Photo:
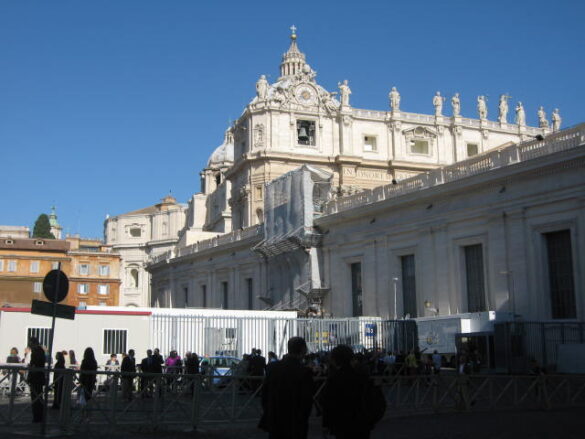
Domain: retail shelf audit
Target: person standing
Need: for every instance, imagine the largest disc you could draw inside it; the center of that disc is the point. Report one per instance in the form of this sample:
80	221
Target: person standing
58	378
257	368
128	369
146	368
72	360
437	362
287	396
351	404
191	368
87	375
36	380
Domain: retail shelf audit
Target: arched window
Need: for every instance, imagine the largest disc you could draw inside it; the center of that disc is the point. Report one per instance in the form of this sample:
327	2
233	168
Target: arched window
134	278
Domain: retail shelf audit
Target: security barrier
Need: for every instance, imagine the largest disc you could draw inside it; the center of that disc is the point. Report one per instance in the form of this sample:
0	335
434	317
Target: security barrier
180	401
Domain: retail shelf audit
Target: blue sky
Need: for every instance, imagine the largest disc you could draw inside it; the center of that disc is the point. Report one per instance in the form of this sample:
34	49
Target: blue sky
106	106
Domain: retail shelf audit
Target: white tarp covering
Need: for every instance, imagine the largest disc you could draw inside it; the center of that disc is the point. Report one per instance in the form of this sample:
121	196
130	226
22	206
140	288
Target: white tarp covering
289	203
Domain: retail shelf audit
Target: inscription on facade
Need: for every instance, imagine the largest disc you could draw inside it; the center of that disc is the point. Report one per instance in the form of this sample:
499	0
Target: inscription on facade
371	174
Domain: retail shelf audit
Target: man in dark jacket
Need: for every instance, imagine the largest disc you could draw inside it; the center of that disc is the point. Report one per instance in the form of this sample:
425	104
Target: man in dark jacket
128	369
146	367
351	405
257	368
36	380
287	396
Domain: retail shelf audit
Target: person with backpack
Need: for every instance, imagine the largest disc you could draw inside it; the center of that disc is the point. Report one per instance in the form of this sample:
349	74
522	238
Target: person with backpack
352	405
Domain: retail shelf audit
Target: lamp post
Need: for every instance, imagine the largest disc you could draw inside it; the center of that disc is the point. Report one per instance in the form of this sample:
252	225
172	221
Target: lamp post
395	280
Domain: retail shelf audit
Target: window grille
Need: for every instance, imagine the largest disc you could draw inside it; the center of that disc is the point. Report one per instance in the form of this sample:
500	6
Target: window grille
115	341
41	334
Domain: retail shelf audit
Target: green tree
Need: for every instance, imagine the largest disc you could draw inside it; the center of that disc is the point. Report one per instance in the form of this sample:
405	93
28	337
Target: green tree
42	227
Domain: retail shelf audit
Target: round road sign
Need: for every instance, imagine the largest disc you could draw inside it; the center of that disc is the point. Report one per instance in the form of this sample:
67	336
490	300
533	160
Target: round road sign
52	293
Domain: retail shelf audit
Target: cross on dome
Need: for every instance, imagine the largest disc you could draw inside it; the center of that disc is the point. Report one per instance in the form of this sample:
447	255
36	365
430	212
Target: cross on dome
293	60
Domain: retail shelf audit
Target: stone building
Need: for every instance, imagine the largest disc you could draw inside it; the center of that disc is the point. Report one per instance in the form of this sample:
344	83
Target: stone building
342	211
24	262
138	235
94	278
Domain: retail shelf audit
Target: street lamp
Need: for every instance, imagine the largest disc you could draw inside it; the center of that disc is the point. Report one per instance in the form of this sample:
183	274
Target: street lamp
395	280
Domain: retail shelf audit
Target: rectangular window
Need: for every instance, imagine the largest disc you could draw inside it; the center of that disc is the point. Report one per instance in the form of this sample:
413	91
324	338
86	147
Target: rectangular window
224	291
472	149
12	266
419	146
55	266
104	270
306	132
356	288
41	334
83	288
82	304
560	275
103	289
408	286
204	296
34	266
37	287
250	291
370	143
83	269
1	264
115	341
474	278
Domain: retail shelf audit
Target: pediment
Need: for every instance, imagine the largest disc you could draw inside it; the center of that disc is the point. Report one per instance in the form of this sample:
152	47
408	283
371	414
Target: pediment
420	132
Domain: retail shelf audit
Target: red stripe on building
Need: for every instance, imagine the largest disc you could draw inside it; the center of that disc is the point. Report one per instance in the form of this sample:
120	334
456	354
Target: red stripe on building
89	311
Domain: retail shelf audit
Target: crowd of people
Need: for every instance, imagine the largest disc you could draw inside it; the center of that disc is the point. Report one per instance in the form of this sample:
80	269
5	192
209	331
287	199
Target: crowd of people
287	385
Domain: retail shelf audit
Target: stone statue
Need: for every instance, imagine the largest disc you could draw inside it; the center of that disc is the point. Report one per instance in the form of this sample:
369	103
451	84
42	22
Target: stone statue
482	107
438	103
394	97
520	114
344	91
328	102
556	120
456	104
262	88
503	116
542	122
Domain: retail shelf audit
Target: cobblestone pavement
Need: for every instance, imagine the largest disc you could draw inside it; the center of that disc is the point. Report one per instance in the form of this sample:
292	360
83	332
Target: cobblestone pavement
561	424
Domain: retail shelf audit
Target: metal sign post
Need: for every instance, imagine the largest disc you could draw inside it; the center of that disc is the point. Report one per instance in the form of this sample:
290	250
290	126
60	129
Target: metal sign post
55	287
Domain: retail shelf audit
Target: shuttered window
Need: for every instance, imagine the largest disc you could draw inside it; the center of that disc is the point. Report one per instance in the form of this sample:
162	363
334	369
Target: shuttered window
560	275
356	288
408	286
474	278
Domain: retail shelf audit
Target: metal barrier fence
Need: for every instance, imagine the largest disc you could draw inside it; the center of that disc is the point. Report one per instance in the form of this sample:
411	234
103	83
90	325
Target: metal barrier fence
177	401
519	343
236	336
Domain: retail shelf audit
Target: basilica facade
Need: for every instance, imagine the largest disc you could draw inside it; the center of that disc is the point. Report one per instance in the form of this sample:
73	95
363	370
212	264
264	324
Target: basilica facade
313	205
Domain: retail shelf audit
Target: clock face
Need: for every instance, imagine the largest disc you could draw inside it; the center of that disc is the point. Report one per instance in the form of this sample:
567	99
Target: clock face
305	95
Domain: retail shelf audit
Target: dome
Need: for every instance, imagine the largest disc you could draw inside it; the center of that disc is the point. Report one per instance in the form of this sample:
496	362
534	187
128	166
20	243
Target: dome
224	152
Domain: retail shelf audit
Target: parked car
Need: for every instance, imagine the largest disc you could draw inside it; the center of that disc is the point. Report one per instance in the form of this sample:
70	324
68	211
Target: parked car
220	366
